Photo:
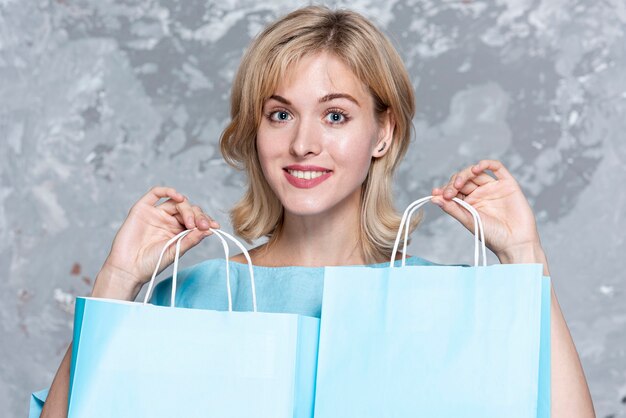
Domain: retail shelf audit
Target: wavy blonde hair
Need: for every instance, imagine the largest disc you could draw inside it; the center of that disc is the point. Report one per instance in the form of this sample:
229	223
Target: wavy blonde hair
374	61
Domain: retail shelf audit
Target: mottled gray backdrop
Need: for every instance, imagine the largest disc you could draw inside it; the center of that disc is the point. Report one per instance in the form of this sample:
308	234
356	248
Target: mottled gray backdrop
100	99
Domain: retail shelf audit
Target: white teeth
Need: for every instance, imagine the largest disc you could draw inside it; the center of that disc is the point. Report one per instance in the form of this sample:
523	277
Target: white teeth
307	175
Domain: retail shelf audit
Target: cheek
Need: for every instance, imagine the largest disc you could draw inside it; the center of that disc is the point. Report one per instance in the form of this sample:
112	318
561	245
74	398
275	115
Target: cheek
271	141
355	149
265	150
269	153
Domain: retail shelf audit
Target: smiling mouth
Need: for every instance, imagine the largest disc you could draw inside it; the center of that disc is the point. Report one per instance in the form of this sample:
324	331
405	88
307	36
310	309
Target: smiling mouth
306	175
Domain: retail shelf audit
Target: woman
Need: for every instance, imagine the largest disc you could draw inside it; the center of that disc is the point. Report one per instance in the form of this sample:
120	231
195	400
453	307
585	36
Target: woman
320	119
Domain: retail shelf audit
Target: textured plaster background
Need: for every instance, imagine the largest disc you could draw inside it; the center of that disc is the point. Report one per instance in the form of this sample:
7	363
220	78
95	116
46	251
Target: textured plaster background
99	100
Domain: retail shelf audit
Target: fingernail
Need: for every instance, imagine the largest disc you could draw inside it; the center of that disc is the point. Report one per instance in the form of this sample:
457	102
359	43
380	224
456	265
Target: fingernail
438	203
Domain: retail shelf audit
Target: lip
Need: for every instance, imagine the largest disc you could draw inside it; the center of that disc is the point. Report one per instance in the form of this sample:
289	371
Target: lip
306	183
305	168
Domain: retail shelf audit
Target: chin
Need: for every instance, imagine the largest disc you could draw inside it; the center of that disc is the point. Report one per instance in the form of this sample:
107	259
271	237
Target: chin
306	207
321	203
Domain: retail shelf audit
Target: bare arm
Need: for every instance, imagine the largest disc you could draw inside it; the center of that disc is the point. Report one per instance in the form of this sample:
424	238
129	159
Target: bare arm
570	393
56	403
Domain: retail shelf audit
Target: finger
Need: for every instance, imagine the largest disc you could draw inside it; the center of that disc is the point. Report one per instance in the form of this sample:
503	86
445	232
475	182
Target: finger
160	192
482	179
444	190
465	176
495	166
456	183
465	191
437	191
180	219
187	214
456	211
458	179
169	207
461	179
189	241
199	218
468	188
203	221
474	183
451	189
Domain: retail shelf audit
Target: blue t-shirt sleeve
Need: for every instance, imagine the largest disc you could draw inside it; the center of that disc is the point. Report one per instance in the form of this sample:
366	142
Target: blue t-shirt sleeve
37	399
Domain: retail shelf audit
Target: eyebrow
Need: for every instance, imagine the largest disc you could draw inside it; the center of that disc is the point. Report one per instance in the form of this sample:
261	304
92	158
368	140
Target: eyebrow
334	96
324	99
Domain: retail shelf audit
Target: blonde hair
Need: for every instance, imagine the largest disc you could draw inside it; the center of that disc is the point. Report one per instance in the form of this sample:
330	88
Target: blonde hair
374	61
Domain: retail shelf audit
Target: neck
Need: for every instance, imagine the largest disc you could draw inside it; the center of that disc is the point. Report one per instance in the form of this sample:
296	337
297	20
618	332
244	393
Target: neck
327	239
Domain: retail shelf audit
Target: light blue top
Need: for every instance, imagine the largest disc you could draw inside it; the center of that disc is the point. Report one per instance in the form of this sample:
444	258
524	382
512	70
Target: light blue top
291	289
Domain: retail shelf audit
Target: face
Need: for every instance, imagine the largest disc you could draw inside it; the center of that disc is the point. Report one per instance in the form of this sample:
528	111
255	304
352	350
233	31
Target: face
318	136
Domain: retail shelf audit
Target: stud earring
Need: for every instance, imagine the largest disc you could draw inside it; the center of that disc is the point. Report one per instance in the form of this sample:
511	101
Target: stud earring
383	147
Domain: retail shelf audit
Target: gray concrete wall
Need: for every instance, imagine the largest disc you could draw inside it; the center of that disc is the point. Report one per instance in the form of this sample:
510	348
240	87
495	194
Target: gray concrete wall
99	100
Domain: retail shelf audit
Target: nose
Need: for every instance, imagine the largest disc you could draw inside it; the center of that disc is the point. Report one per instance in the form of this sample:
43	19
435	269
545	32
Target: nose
306	139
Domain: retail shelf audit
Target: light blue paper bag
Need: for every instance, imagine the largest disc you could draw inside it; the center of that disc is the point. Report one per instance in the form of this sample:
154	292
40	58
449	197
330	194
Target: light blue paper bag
435	341
135	359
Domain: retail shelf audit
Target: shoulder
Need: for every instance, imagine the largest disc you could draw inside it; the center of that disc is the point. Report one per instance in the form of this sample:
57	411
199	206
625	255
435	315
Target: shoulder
260	256
239	258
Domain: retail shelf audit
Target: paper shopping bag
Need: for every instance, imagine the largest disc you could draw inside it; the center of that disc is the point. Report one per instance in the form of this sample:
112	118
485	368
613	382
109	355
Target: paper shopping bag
131	360
434	341
139	360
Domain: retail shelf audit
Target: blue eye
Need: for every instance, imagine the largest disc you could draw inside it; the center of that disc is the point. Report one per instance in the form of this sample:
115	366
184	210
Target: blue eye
280	116
336	117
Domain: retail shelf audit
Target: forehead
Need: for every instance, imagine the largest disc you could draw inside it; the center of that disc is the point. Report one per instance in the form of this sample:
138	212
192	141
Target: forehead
320	74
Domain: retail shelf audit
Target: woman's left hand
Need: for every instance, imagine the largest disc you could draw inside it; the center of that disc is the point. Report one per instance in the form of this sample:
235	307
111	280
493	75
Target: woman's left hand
509	223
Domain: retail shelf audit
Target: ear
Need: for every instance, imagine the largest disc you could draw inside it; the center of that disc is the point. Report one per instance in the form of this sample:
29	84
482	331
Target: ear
386	127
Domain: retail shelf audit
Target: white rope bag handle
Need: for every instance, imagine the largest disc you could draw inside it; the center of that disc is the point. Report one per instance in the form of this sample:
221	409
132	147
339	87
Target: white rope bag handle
221	235
405	224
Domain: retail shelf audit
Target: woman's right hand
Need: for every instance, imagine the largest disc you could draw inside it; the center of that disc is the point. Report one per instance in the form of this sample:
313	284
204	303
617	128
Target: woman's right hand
147	228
